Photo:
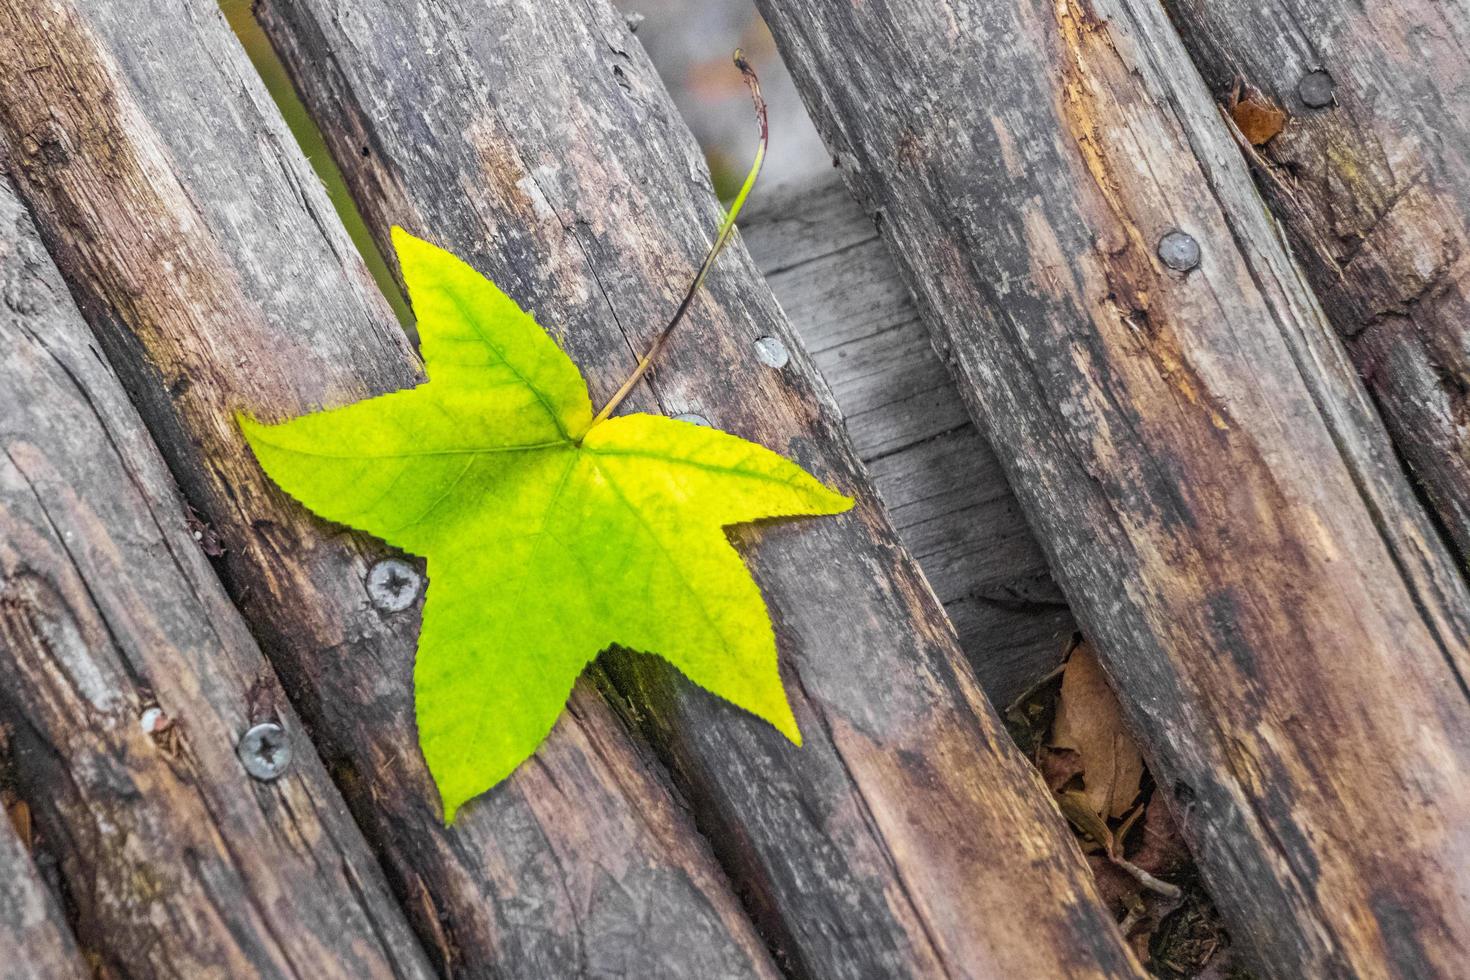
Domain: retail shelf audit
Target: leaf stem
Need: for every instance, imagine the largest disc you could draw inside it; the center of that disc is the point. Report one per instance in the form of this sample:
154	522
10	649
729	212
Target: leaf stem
722	237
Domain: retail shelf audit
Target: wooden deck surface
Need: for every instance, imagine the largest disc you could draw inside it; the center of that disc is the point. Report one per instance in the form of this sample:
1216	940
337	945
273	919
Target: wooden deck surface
943	487
1241	468
1216	491
845	856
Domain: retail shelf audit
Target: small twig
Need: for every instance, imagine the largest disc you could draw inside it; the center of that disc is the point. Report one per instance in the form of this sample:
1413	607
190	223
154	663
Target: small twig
1034	689
1137	912
1079	813
1145	879
727	226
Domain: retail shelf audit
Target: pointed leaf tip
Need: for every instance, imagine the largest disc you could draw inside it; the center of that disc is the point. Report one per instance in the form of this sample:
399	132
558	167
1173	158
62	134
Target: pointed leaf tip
402	237
787	726
840	502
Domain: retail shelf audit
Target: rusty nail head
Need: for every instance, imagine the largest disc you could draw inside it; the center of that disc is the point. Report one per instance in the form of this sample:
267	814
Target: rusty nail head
693	418
1179	251
393	584
265	751
1316	89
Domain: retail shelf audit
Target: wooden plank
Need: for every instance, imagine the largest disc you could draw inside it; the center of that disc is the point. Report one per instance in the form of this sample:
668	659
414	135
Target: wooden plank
34	937
906	836
941	483
1371	177
217	277
130	680
1215	493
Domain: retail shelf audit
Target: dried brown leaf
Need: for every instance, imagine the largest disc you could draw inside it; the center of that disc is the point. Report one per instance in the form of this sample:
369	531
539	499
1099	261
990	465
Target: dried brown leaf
1077	808
1059	767
1115	887
19	813
1090	722
1160	849
1258	118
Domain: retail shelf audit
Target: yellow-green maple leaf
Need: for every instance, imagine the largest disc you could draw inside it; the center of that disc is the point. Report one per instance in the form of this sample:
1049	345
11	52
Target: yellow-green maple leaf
548	538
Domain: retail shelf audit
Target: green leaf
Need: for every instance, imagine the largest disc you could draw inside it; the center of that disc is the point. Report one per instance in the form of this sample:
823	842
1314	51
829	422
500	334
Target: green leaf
547	538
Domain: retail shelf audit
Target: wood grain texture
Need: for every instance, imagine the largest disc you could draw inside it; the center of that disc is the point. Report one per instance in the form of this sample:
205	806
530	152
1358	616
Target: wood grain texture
213	270
941	483
174	861
906	837
1215	493
1374	189
35	940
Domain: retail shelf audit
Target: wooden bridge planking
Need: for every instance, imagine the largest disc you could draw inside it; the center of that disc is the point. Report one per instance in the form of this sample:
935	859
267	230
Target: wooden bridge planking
939	479
213	270
175	861
1214	490
1372	181
907	836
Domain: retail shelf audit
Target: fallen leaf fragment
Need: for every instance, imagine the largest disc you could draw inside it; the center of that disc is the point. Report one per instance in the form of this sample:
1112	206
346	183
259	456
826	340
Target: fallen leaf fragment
1160	848
1059	767
1090	723
1256	116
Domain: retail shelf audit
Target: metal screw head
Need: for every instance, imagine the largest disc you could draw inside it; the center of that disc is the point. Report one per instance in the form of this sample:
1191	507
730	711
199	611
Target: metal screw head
772	352
1316	89
693	419
265	751
1179	251
393	584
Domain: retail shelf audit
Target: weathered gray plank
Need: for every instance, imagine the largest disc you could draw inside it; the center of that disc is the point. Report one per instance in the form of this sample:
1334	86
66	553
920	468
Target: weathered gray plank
1372	180
129	679
1216	495
906	837
35	940
210	265
938	477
